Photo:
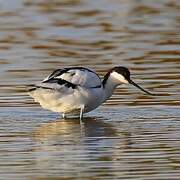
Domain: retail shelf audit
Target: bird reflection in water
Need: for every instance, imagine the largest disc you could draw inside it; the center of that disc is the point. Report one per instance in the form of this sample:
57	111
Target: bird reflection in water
72	129
66	145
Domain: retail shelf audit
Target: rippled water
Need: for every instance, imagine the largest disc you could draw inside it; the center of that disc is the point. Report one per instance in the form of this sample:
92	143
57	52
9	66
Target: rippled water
132	136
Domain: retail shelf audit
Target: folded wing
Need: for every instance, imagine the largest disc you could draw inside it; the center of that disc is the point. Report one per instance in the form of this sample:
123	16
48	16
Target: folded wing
73	77
70	78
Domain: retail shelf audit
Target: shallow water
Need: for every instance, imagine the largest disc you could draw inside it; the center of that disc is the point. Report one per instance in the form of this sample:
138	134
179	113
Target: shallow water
132	136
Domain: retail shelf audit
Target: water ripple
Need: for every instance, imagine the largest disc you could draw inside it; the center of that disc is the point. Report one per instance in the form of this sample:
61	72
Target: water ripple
132	136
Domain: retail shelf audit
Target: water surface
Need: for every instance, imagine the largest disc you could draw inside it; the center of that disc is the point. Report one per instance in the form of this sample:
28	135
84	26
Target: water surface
132	136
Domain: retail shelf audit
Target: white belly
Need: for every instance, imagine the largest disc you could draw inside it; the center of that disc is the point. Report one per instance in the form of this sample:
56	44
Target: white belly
68	102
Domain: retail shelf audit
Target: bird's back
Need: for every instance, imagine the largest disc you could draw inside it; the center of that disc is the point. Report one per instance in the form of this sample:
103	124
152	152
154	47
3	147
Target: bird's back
78	76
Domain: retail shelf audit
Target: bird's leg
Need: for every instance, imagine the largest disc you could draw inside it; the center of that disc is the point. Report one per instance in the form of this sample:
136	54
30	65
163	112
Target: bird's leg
64	116
81	114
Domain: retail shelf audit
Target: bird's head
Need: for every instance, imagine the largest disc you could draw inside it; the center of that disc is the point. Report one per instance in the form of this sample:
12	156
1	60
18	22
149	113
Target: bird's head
121	75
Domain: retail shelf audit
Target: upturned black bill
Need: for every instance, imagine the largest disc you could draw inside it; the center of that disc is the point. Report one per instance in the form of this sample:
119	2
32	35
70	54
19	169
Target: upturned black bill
139	87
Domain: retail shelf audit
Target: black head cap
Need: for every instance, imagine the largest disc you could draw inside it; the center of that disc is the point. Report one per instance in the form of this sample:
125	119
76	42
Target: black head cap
123	71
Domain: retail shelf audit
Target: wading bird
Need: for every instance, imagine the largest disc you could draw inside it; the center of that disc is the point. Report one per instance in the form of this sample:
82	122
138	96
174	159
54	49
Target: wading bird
78	90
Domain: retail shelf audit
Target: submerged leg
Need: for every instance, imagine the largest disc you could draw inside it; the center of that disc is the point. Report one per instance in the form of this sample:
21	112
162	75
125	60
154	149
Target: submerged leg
64	116
81	114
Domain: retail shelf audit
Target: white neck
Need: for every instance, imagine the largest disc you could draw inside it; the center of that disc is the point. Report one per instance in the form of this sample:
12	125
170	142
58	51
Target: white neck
110	82
109	87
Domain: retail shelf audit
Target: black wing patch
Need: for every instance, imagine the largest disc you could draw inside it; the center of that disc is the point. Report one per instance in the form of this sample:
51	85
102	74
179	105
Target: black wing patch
61	82
56	73
36	87
59	72
66	83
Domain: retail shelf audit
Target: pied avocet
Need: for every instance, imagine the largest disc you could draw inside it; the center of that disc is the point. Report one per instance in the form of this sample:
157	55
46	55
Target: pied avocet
78	90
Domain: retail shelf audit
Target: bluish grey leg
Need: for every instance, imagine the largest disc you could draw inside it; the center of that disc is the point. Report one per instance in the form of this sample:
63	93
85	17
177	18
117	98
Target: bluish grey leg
64	116
81	114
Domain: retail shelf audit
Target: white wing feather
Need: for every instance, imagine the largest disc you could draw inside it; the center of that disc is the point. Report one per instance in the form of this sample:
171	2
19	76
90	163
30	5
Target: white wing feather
77	76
